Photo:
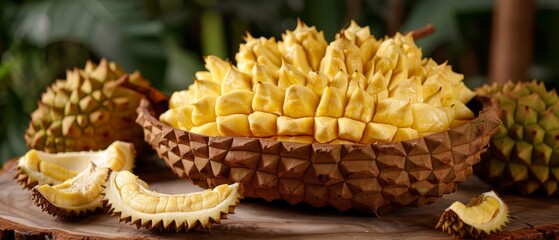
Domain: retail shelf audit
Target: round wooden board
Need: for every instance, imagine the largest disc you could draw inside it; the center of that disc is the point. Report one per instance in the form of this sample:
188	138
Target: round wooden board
257	218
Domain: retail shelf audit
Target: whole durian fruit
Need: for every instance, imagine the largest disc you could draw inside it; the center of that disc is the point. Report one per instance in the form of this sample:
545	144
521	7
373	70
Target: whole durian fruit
357	89
524	154
89	110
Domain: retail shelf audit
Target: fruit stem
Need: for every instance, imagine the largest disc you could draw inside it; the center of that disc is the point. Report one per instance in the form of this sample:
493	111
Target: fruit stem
423	32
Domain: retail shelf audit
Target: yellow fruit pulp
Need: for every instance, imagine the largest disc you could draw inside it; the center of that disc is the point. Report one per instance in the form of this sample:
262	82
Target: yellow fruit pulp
356	89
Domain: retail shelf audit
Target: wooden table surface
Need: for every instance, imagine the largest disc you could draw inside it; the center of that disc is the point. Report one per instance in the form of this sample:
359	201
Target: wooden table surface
257	219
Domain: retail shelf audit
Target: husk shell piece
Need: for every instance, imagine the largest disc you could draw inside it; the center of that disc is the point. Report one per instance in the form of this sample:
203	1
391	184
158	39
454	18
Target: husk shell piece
173	221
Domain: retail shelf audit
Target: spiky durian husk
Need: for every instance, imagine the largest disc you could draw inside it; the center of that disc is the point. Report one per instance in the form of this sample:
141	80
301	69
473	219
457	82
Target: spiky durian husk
169	218
524	154
357	89
88	110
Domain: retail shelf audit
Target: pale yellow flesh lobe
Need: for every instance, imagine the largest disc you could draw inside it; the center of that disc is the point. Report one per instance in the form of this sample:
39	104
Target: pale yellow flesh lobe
79	193
55	168
126	194
302	77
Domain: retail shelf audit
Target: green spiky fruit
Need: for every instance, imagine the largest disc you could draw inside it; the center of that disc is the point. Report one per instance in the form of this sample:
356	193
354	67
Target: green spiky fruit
88	110
524	154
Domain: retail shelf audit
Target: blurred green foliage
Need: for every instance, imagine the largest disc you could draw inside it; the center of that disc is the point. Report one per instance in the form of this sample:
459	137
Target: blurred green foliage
166	39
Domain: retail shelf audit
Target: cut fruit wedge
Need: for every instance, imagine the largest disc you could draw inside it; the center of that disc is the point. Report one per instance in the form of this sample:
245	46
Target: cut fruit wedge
484	215
38	168
129	197
74	197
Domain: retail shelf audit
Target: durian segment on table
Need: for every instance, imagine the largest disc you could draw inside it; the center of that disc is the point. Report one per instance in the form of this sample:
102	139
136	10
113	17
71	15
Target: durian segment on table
69	184
356	89
482	216
130	198
76	196
524	154
38	167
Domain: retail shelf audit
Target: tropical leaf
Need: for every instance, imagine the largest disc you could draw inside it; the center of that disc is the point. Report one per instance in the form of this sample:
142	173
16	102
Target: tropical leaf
182	65
118	30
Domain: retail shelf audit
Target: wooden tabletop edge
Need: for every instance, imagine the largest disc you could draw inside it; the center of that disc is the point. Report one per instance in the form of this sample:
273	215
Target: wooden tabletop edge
549	231
13	230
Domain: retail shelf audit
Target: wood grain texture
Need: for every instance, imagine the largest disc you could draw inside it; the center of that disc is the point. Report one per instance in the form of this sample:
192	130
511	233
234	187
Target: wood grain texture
257	219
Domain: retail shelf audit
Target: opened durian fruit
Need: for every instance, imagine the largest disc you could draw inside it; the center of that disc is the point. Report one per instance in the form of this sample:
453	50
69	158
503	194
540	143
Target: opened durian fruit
360	123
357	89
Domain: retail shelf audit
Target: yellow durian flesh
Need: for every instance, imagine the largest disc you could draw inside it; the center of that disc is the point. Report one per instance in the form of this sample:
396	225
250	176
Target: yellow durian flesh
304	41
181	98
235	80
403	134
208	129
203	110
234	102
258	51
268	98
351	130
333	61
360	106
216	67
381	86
300	101
428	118
289	75
75	196
378	132
295	126
262	73
299	139
179	117
263	124
201	75
332	103
317	82
38	168
129	197
325	129
395	112
205	88
234	125
80	194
